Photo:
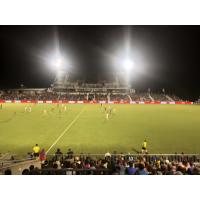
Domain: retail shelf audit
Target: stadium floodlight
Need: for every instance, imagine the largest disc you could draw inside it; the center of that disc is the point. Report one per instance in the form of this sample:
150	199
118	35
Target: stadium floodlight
127	64
59	63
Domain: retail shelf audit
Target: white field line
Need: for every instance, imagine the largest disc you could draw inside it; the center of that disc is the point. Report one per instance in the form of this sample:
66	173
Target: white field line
65	131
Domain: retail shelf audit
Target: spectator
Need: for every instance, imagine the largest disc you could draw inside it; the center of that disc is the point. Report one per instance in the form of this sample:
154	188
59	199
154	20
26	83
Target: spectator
107	155
42	155
31	169
25	172
131	169
118	164
141	169
70	154
8	172
58	155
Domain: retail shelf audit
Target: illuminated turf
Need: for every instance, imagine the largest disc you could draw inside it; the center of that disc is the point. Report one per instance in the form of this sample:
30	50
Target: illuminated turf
167	128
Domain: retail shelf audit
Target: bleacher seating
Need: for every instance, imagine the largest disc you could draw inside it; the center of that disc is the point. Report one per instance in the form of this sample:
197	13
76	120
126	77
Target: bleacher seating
113	164
159	97
84	92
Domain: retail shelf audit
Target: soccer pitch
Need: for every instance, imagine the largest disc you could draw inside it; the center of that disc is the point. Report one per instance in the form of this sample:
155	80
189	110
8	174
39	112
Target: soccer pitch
85	129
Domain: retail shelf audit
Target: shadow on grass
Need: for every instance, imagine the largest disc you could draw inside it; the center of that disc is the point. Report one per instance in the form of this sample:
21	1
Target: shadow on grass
135	150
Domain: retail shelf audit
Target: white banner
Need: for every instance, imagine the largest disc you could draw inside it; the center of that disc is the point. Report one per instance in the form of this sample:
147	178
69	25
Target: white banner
141	102
102	101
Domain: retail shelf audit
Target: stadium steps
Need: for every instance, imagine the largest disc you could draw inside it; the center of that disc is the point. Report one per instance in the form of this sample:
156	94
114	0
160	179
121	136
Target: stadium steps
129	97
108	97
152	99
169	98
87	96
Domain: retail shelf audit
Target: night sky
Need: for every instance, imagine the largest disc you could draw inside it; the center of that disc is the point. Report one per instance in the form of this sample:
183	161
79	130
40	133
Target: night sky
164	56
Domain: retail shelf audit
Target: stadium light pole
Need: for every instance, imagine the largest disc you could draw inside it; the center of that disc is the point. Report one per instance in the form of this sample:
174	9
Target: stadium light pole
61	76
128	65
59	63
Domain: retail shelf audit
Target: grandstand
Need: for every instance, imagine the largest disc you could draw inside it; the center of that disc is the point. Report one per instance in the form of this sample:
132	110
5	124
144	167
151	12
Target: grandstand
86	92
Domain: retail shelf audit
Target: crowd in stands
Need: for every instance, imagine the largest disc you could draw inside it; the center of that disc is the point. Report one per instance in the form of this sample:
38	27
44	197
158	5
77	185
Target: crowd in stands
113	164
145	97
81	96
101	97
135	97
175	98
159	97
119	97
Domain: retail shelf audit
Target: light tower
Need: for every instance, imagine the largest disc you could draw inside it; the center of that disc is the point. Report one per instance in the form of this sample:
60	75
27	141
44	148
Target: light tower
61	74
126	66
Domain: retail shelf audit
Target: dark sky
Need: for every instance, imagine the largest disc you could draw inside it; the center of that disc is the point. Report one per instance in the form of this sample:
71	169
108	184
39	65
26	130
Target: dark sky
164	56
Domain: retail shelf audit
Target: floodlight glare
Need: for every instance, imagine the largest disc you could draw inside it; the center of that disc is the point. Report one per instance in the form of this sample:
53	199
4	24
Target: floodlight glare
59	63
128	64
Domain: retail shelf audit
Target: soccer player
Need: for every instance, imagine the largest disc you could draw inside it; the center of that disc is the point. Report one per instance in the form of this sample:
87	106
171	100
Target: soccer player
110	110
144	147
107	115
44	112
30	109
25	109
1	107
65	108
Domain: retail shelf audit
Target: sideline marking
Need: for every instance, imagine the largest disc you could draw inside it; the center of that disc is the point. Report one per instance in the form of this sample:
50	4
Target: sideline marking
66	129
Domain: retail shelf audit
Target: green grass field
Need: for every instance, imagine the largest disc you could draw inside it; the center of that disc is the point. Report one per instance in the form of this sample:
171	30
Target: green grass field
84	128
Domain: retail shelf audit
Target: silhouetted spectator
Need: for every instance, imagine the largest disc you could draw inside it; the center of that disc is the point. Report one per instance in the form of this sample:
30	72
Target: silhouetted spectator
8	172
70	154
25	172
58	155
31	169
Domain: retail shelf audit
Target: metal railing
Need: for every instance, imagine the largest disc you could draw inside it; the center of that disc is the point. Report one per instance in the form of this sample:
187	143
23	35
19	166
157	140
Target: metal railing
70	171
147	157
73	158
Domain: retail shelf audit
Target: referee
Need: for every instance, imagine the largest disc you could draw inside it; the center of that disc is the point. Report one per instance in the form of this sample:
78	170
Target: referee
36	150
